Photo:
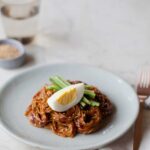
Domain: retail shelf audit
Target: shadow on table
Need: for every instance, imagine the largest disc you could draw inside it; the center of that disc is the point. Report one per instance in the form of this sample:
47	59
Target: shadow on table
34	55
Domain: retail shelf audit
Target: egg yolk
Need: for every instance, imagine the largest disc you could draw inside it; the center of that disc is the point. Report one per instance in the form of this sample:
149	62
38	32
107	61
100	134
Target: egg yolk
67	97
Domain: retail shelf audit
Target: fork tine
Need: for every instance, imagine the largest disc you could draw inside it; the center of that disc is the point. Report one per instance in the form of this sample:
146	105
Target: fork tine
139	81
145	78
148	77
142	82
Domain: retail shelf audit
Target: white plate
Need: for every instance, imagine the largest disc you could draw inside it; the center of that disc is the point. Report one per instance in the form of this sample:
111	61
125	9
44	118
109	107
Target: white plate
17	94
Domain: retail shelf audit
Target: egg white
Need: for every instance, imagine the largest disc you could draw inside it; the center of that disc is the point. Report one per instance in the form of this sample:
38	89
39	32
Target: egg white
53	103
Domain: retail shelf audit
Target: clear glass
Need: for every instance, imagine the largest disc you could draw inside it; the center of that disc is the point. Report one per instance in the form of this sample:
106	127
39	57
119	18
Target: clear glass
20	18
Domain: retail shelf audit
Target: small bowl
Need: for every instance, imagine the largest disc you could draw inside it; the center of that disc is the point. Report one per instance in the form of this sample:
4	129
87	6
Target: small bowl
14	62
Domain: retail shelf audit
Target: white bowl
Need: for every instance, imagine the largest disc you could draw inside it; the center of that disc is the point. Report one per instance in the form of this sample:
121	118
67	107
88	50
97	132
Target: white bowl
14	62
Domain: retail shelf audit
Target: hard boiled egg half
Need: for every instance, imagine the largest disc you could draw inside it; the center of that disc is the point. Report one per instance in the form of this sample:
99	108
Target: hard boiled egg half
66	98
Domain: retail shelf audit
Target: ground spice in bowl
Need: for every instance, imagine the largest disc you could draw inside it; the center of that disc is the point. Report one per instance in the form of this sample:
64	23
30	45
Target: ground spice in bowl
8	51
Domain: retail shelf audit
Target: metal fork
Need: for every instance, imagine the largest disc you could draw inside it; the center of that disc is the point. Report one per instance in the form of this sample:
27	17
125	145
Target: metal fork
143	91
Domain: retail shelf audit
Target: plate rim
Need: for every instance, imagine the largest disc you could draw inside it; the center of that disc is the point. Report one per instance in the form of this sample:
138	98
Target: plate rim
21	139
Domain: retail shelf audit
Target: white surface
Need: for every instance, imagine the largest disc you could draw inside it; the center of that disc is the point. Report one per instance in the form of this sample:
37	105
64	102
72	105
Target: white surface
121	94
109	34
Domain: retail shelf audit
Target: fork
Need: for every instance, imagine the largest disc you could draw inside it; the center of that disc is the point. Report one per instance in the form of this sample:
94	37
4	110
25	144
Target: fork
143	91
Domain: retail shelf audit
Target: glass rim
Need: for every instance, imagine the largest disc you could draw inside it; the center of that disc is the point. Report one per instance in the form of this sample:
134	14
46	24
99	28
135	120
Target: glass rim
18	2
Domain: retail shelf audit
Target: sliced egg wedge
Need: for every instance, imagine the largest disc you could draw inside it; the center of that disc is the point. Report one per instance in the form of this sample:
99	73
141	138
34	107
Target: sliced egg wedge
66	98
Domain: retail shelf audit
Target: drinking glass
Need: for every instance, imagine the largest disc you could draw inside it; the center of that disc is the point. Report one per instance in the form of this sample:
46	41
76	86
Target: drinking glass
20	19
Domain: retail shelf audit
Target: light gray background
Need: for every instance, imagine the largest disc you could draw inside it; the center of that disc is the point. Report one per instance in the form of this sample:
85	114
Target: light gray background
110	34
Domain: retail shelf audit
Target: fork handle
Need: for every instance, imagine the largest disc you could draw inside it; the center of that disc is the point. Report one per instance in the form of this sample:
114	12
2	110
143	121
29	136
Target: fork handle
138	128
